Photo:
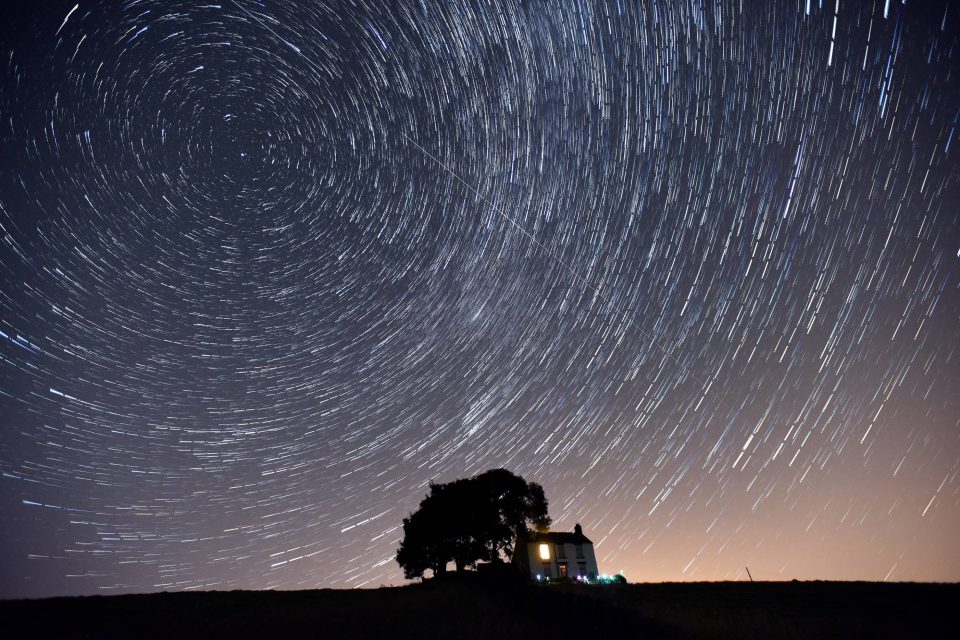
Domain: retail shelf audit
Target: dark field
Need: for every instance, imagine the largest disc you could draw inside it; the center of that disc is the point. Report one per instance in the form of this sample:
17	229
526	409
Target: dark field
479	610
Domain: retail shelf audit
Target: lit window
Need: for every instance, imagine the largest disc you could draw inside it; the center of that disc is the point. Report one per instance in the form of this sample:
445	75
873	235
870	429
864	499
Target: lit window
544	552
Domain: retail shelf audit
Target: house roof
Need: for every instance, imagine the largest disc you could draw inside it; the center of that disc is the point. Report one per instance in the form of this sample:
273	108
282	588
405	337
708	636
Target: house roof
560	537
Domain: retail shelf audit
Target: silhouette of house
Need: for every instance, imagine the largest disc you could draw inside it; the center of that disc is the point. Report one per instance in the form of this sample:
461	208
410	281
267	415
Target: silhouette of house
557	555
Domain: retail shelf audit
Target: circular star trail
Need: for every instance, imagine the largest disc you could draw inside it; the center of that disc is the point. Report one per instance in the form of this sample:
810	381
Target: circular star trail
268	268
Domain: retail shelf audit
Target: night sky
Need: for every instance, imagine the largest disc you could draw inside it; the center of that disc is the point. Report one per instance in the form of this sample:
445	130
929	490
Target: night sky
269	267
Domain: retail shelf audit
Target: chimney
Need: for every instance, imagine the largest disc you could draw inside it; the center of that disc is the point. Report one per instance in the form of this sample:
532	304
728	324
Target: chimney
578	530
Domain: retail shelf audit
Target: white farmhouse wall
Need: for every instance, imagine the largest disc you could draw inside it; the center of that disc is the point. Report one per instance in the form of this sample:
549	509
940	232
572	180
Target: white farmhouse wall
561	553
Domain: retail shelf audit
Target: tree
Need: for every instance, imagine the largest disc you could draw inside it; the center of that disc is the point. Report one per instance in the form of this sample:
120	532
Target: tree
420	549
512	506
468	520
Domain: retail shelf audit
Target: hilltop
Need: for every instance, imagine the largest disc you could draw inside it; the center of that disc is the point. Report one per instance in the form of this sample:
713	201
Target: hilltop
472	609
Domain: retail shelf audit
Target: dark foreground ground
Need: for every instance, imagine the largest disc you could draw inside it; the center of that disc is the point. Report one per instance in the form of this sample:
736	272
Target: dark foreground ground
481	610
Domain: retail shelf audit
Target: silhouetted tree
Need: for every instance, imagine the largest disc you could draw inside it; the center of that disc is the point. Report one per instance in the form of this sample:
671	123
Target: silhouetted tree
470	519
421	548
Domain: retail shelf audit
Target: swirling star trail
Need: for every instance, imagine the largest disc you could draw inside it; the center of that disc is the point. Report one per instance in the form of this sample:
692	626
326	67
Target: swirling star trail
269	267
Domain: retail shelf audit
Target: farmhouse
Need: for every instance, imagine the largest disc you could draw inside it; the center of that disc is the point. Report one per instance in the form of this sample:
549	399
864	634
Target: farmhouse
557	555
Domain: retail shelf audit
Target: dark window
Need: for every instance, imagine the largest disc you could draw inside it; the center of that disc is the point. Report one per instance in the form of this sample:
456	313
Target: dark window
582	568
563	569
546	570
561	550
580	551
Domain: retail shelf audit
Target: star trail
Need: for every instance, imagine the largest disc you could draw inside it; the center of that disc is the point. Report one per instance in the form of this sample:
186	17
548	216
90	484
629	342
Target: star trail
269	267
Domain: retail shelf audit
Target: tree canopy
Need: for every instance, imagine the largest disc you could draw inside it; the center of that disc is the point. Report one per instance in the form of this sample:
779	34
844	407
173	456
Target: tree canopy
469	520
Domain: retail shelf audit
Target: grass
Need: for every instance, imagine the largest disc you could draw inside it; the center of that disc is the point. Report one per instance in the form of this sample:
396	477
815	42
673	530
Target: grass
795	609
472	609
